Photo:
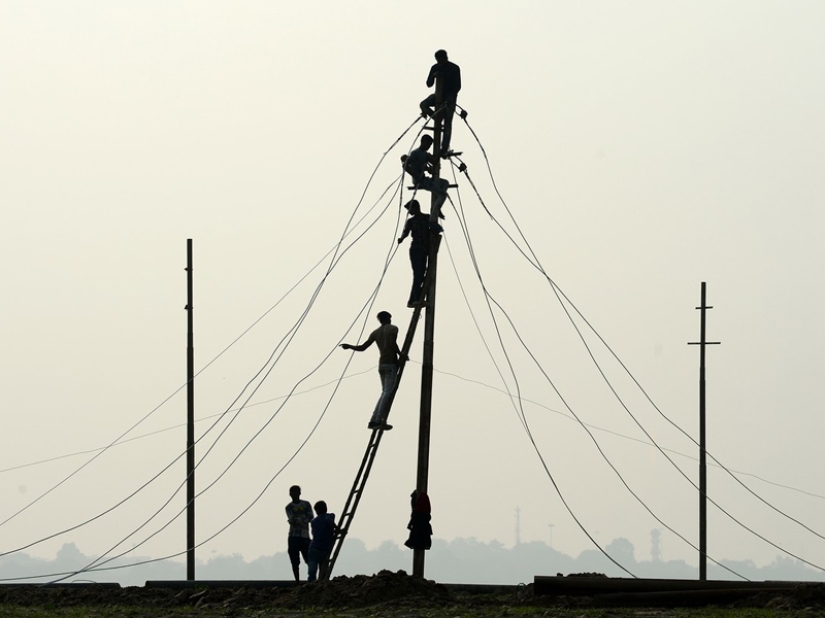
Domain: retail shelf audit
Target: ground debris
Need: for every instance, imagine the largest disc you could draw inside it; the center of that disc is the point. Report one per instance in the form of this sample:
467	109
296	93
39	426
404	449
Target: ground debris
387	592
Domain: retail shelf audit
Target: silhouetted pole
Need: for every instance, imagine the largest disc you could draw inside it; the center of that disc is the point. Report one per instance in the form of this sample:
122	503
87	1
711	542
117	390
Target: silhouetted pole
422	479
703	474
190	422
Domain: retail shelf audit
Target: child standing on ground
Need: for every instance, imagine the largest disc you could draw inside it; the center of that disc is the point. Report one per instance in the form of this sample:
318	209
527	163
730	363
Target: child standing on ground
323	535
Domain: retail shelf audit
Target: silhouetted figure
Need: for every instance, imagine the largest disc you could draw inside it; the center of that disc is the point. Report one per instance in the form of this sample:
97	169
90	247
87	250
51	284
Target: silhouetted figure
418	226
298	514
385	337
421	532
417	164
323	536
451	73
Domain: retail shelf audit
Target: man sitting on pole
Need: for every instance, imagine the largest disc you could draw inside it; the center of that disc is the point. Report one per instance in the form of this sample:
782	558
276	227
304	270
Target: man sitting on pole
417	164
451	74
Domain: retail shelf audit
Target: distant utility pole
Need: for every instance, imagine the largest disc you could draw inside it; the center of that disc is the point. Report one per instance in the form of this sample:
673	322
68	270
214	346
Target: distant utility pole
422	479
190	422
518	526
703	476
656	545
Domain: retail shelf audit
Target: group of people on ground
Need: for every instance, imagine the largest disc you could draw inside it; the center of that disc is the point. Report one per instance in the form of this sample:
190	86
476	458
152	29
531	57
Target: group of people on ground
314	551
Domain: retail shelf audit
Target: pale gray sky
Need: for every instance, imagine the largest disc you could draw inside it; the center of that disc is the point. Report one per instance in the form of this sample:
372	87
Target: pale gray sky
642	148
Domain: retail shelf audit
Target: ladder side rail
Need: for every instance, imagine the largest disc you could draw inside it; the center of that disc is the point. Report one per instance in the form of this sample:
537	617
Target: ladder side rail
354	498
351	505
357	483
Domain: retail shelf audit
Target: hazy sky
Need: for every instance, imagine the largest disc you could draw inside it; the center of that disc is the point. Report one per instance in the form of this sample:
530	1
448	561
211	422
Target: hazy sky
640	147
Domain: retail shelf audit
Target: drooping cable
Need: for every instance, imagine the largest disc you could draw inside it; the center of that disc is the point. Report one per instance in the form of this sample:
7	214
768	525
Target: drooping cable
488	298
536	264
334	262
98	562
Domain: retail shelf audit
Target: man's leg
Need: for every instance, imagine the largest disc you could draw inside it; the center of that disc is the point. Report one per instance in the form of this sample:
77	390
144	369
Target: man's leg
387	373
440	191
418	261
294	555
324	566
426	106
312	565
449	112
304	549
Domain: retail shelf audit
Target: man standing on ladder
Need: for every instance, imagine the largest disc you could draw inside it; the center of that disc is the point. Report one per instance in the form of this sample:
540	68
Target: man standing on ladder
386	338
418	225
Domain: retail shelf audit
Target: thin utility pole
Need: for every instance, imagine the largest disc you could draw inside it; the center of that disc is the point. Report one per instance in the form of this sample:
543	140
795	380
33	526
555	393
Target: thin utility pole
190	422
703	475
422	479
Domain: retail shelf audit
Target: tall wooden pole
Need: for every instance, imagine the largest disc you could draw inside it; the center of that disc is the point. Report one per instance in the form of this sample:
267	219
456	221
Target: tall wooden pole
422	479
190	422
703	475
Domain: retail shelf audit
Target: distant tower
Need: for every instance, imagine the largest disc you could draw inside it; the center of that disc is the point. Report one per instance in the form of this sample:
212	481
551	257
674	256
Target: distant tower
518	526
656	545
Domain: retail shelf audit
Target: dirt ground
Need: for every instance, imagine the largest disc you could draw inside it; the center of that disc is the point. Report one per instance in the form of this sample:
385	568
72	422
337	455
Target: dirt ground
386	592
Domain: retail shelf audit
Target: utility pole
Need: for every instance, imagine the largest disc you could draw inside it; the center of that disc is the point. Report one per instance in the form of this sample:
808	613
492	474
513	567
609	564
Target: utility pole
703	473
422	478
190	422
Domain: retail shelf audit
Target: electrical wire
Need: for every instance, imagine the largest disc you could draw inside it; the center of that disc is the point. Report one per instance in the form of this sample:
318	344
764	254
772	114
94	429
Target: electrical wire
99	561
488	298
558	292
334	261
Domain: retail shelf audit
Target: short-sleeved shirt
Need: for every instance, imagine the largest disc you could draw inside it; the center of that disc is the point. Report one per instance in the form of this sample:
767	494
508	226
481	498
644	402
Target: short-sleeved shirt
299	514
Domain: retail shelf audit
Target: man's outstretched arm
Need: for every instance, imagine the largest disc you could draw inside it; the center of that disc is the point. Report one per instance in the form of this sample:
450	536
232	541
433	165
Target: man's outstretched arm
360	347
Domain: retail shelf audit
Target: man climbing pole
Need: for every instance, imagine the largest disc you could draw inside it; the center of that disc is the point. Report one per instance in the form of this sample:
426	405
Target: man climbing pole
385	337
418	225
417	164
451	73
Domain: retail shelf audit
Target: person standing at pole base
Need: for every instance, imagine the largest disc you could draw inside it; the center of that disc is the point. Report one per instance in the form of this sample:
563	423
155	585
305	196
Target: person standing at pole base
298	514
418	225
451	74
386	338
417	164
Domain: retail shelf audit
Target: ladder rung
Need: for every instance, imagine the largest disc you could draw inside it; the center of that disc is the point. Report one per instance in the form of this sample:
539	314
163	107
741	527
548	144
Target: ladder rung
448	186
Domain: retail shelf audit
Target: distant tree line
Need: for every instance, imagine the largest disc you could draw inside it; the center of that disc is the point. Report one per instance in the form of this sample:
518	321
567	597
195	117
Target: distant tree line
458	561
